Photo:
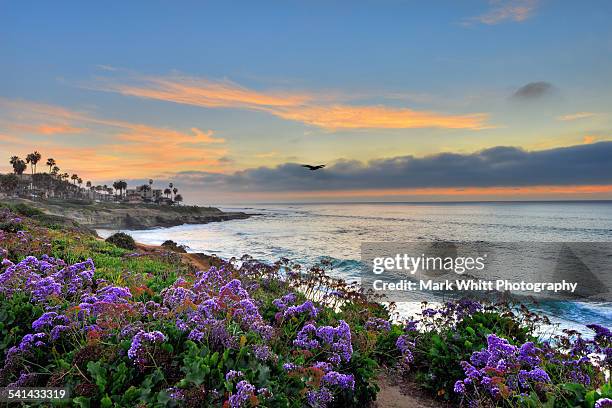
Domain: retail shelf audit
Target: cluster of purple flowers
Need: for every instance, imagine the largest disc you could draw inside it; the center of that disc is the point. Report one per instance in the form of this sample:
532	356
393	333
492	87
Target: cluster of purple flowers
206	309
503	370
319	398
142	340
405	346
378	324
603	402
307	308
285	301
335	342
244	392
334	378
333	345
47	277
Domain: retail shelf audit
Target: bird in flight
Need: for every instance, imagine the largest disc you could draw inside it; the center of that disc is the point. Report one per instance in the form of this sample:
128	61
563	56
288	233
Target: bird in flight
313	168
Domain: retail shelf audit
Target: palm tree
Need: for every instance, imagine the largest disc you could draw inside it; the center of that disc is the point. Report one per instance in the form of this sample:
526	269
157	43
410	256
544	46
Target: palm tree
18	165
88	184
55	170
33	159
120	185
65	176
167	192
51	162
151	182
175	190
178	198
74	178
115	186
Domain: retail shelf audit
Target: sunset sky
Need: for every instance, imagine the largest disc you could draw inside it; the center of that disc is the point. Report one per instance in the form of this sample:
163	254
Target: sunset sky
403	100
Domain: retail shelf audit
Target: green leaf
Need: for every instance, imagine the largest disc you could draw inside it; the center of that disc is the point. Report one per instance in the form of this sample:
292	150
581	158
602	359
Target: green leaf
98	373
106	402
82	402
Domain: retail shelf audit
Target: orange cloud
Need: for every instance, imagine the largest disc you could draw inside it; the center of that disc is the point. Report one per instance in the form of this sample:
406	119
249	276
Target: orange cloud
51	129
205	93
576	116
122	149
589	139
378	117
309	109
505	10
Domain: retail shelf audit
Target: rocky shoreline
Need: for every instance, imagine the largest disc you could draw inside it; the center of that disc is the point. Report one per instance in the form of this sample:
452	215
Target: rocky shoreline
129	216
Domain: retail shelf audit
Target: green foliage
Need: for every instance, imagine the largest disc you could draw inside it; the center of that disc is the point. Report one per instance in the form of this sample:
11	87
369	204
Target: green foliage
439	352
122	240
16	317
25	210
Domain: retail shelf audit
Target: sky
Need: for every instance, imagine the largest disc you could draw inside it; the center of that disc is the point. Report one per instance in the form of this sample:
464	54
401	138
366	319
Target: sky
402	100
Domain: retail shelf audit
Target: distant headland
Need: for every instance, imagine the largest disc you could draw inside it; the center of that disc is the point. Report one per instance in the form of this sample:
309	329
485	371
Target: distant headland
118	206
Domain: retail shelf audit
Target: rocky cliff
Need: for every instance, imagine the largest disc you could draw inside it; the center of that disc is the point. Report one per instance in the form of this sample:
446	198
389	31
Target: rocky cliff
130	216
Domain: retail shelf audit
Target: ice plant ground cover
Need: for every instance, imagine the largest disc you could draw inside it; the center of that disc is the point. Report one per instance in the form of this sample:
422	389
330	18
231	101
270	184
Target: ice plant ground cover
125	328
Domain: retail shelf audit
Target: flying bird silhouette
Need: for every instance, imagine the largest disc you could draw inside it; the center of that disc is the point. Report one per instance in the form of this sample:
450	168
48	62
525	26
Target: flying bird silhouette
313	168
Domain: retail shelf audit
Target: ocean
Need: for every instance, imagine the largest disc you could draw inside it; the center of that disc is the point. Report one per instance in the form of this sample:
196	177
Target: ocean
308	233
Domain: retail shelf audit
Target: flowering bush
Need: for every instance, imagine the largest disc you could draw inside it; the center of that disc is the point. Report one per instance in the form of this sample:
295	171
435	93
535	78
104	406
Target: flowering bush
485	356
159	334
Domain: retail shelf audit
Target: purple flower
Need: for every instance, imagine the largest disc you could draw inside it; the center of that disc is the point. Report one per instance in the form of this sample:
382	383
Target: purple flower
290	367
307	307
601	333
137	351
603	402
378	324
319	398
174	297
284	301
459	387
404	344
233	374
48	319
411	326
535	375
344	381
527	354
31	340
262	352
244	391
304	337
57	331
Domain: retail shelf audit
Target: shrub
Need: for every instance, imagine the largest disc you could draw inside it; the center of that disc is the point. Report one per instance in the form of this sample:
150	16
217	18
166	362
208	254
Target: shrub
485	356
173	246
26	210
122	240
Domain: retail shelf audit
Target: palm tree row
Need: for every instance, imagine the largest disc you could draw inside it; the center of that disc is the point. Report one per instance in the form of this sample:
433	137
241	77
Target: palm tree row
20	166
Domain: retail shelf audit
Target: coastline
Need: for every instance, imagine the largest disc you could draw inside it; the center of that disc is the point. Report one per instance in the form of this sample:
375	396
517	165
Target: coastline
95	215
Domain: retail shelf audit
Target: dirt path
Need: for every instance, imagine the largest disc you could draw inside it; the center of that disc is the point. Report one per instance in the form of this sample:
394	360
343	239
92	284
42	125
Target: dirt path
394	394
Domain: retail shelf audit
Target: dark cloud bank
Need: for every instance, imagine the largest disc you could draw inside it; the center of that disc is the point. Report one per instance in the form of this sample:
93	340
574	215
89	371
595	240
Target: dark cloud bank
494	167
534	90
